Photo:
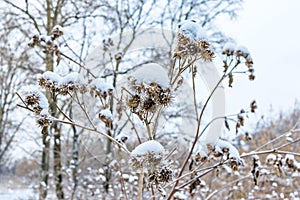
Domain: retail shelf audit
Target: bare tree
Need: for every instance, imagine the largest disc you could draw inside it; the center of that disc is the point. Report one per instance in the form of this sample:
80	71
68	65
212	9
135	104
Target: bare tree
12	77
40	17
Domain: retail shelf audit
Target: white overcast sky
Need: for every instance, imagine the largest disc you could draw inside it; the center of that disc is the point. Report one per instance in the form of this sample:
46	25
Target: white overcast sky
270	29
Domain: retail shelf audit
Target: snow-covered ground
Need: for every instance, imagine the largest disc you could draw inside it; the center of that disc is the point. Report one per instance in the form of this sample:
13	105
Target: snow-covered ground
19	188
18	194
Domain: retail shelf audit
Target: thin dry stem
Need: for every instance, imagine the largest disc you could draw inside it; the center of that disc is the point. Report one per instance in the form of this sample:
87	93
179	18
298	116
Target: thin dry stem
94	130
140	191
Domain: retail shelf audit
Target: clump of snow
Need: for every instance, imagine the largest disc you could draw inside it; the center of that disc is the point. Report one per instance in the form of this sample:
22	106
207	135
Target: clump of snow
270	159
73	77
101	85
229	46
255	157
147	156
151	146
232	151
45	38
121	138
152	73
192	30
57	27
52	76
242	49
289	157
106	113
180	195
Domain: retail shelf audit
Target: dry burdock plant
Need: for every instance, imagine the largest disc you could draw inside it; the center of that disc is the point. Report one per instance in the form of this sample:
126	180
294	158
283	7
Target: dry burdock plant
208	169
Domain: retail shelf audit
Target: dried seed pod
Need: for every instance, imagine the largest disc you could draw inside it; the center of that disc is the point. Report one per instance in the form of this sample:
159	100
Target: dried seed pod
248	136
133	102
253	106
230	76
241	120
44	120
118	56
251	77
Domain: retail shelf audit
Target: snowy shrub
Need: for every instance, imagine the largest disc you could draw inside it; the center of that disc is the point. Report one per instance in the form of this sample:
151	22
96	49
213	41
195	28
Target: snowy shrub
136	163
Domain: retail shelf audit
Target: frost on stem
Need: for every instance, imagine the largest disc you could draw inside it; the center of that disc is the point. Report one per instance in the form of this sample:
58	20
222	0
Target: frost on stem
148	89
191	41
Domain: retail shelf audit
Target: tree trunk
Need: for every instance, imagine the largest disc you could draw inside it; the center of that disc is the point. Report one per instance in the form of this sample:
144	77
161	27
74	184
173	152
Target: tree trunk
44	174
75	156
57	163
51	21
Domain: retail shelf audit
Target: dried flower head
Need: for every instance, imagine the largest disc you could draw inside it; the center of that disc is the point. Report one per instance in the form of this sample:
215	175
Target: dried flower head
148	90
35	100
121	138
292	163
253	106
63	85
187	47
228	49
70	83
107	44
191	41
44	120
118	56
49	80
100	88
242	56
48	42
106	117
57	31
147	155
161	175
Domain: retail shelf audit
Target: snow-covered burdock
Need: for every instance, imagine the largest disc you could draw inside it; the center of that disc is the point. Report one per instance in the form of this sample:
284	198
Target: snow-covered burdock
106	116
151	73
38	103
147	155
35	99
148	91
229	48
63	85
98	87
192	30
192	41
